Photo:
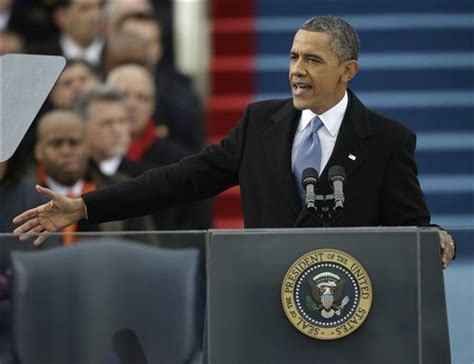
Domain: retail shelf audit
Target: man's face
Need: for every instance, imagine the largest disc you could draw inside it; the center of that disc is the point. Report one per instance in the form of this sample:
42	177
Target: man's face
108	129
123	49
10	43
150	33
61	149
82	20
317	79
74	80
5	5
137	87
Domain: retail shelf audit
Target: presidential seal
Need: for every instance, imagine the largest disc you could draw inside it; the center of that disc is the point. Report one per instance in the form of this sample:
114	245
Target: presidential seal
326	294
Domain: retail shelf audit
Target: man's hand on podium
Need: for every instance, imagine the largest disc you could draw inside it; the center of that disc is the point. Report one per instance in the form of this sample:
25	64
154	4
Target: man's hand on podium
53	216
448	247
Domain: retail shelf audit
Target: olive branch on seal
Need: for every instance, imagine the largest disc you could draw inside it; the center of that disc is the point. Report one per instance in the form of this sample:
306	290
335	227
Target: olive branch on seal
311	304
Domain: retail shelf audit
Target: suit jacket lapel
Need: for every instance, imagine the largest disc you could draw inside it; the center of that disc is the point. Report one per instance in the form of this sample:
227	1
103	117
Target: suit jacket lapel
278	143
349	151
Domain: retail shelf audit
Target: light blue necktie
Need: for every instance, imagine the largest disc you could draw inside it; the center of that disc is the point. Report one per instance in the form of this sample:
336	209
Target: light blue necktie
308	153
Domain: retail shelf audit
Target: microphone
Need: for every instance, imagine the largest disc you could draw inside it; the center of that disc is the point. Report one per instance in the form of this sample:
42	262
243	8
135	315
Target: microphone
310	181
337	175
128	348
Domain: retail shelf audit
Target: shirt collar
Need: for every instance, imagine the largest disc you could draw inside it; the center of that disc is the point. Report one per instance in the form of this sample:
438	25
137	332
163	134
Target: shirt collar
332	118
110	165
74	190
72	50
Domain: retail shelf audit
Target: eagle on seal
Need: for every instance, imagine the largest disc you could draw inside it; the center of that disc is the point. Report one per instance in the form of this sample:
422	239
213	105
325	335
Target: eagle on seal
327	289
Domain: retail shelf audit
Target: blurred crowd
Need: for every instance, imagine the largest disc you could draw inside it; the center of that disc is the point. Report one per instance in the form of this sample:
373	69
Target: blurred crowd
119	107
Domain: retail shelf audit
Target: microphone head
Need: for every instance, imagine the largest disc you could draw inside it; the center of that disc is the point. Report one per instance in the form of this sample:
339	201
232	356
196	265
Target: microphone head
128	348
309	175
336	173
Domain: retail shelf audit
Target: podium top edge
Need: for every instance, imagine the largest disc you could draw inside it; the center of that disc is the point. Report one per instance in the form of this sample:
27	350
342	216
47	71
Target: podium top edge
372	229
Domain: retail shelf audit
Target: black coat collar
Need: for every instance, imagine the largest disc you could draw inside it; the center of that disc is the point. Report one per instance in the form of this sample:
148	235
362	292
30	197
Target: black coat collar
278	142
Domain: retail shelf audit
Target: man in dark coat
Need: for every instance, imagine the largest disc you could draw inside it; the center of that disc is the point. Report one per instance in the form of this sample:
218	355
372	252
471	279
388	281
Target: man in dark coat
150	147
108	136
80	25
261	152
178	108
64	167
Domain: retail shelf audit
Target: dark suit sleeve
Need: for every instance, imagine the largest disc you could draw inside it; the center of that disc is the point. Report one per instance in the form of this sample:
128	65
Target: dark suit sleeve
403	201
200	176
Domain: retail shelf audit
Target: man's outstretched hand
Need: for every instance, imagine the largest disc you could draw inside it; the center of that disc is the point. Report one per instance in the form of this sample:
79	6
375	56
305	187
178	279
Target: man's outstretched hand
53	216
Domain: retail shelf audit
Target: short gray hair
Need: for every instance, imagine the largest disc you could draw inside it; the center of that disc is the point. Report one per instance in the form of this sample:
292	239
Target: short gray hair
344	39
99	93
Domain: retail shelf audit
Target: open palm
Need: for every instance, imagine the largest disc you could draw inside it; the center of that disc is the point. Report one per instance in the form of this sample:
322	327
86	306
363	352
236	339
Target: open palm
53	216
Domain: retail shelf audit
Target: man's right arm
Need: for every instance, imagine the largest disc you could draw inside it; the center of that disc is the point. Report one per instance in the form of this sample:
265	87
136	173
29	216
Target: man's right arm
200	176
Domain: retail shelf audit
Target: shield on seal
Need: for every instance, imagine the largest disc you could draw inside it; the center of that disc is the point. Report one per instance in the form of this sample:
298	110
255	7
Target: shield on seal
327	300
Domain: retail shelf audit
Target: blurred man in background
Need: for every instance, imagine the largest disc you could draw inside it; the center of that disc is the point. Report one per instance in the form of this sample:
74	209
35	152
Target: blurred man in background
146	27
11	42
61	153
108	134
81	31
116	10
121	49
177	105
77	77
63	166
107	127
149	143
151	146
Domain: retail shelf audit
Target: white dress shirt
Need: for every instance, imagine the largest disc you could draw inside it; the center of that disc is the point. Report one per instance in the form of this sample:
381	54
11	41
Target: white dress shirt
74	190
327	133
110	166
72	51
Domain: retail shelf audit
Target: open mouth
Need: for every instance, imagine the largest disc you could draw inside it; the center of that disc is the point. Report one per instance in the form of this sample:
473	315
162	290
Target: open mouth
300	88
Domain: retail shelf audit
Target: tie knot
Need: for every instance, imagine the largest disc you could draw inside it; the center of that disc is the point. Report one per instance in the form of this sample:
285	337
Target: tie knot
316	123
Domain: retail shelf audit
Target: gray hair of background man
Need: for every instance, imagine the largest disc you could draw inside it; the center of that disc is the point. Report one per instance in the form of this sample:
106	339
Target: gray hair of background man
134	67
115	10
344	39
100	93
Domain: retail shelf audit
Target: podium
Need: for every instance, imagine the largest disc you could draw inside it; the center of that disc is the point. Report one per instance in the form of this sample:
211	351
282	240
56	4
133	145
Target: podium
247	323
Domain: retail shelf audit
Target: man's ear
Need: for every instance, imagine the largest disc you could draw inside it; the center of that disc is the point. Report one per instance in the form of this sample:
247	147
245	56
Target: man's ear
350	70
